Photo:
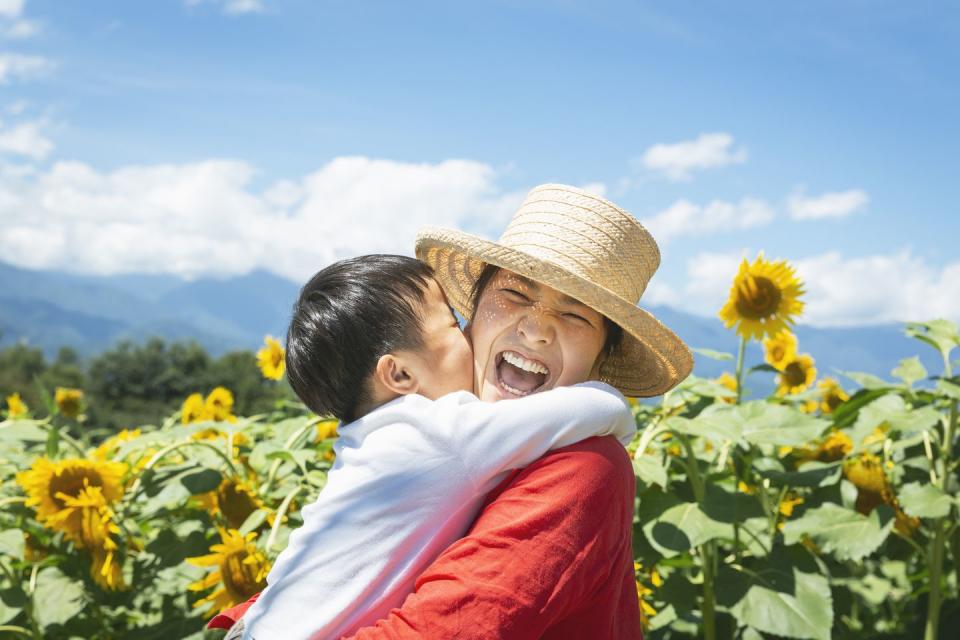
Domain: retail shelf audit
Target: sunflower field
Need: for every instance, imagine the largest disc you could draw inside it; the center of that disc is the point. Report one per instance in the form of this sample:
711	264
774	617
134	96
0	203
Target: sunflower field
827	510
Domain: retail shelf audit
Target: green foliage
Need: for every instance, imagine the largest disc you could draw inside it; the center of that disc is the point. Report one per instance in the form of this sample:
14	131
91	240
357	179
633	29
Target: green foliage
778	520
840	531
131	384
760	519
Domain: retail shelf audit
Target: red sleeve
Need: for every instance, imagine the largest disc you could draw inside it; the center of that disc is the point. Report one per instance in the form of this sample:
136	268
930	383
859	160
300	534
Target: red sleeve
228	617
539	551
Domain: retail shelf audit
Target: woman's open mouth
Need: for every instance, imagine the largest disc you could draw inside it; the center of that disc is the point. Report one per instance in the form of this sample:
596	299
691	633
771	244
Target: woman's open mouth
518	375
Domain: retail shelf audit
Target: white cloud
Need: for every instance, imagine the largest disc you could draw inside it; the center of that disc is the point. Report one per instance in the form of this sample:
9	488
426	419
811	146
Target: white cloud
204	218
686	218
840	291
677	160
22	29
13	25
243	6
233	7
836	204
11	8
25	139
15	65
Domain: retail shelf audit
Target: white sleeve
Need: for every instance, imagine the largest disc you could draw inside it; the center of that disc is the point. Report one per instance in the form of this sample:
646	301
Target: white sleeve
491	437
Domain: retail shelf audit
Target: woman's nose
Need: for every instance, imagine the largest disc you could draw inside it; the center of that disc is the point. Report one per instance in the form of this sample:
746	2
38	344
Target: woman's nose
536	327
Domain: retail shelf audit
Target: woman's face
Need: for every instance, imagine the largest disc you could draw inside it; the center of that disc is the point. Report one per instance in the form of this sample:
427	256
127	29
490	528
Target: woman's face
528	337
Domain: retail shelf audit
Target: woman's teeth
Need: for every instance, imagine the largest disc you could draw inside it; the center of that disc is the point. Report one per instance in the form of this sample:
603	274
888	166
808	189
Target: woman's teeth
520	362
513	390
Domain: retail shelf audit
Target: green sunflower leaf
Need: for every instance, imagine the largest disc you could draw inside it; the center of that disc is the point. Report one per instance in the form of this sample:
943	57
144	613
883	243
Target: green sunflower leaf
910	370
843	532
57	599
777	598
924	500
683	527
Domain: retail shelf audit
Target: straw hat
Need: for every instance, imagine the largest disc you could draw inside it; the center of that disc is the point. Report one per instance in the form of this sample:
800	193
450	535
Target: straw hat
588	248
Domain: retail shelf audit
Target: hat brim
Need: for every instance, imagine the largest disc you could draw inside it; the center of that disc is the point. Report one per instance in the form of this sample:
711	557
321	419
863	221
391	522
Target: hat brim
650	360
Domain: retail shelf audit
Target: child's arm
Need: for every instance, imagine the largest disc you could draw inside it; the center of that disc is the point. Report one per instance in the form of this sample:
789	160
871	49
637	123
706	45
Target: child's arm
510	434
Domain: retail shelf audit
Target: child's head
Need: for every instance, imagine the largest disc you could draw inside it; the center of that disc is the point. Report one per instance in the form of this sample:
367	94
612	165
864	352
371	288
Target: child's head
368	329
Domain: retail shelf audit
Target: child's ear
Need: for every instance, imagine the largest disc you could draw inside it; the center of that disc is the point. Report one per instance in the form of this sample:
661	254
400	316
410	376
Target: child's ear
394	374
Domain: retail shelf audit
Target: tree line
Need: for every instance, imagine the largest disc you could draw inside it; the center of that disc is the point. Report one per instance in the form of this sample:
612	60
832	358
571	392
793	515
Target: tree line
133	384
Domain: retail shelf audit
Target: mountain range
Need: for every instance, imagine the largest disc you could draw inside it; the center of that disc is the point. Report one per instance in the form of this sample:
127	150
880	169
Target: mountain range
49	309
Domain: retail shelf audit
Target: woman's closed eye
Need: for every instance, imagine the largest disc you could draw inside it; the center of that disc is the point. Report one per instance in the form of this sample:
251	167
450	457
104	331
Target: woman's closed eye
516	296
576	317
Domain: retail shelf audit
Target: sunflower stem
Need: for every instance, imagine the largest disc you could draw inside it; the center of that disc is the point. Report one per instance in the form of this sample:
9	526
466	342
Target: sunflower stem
707	550
739	374
281	511
275	467
63	435
708	610
937	548
162	453
15	629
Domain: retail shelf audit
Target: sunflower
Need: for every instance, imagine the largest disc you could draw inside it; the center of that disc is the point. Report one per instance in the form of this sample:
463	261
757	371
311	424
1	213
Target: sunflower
326	429
234	499
63	491
809	406
241	570
728	381
270	359
788	504
33	549
97	535
644	592
108	447
832	395
835	447
796	375
219	405
192	409
16	408
764	298
107	572
240	439
74	497
780	349
866	473
69	401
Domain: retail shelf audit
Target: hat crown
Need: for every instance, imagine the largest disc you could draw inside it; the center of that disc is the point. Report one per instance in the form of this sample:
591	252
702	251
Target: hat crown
586	235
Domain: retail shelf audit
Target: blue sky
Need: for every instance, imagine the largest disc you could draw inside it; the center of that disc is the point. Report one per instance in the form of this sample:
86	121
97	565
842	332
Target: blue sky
216	136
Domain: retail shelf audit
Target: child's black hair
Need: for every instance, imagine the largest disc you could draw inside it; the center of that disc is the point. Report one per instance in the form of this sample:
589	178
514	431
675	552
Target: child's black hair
347	316
614	331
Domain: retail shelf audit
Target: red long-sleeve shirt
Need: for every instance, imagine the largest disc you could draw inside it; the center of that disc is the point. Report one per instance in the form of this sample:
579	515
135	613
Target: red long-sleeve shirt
549	557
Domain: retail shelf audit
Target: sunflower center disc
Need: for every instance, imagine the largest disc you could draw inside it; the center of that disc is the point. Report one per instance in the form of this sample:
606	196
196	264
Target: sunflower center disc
758	298
794	374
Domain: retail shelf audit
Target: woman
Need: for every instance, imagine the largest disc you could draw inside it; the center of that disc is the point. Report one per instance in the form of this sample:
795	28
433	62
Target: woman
553	302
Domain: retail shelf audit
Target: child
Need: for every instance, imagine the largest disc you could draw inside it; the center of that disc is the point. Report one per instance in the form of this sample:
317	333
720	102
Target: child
374	342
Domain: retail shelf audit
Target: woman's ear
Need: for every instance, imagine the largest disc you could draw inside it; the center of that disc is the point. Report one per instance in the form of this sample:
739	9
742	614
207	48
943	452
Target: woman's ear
394	375
597	365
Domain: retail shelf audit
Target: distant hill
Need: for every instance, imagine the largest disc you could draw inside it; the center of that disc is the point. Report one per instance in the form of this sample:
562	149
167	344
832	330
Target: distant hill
90	313
50	309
